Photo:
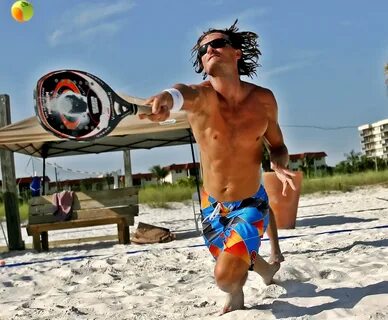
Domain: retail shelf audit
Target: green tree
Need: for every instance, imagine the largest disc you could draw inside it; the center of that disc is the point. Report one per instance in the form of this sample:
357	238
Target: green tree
353	159
159	172
308	165
366	163
342	167
109	180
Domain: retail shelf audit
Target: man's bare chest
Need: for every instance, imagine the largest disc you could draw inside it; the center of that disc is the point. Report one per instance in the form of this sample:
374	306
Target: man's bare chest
239	123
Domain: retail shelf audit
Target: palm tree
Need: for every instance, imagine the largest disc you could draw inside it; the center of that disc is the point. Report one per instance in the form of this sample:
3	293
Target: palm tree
308	164
159	172
353	158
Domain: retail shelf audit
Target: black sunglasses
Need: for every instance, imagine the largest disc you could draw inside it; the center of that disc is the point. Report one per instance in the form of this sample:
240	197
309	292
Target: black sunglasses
215	44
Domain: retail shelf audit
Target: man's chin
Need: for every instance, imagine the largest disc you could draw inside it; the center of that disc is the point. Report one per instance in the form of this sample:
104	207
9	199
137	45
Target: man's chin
212	70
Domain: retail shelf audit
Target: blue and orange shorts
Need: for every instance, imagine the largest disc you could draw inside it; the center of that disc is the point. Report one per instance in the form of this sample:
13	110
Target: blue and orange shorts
235	227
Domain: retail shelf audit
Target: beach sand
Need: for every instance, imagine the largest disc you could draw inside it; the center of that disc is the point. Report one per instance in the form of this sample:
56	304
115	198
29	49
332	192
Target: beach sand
336	267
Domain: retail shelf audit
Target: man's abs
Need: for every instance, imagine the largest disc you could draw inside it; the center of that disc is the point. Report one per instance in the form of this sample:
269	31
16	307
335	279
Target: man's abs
231	178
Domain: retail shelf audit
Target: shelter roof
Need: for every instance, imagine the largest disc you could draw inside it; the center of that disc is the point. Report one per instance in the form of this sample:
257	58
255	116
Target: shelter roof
28	137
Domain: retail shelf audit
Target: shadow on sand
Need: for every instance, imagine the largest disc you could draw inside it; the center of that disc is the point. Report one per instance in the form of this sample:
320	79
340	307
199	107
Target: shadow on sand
329	220
187	234
345	298
376	243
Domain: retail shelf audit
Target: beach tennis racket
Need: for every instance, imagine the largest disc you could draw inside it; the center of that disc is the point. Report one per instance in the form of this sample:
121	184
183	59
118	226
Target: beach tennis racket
77	105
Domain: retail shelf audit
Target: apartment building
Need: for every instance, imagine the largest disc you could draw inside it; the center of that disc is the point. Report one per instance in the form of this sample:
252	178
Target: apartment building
374	139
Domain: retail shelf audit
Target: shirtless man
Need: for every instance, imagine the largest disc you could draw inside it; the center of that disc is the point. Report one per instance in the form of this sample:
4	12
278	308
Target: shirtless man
231	120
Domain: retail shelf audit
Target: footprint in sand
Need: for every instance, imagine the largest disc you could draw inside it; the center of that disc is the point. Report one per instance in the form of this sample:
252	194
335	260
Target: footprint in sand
332	275
273	291
146	286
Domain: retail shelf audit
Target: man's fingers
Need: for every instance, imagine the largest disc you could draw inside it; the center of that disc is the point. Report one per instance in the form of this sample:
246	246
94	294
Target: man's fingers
292	174
291	183
289	172
152	117
156	105
284	188
285	179
149	101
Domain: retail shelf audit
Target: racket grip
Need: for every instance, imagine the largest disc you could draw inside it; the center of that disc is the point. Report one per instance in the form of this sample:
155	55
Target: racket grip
143	109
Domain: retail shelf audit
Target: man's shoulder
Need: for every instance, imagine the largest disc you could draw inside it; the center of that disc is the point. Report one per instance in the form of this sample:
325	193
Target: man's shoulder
206	84
205	88
262	93
262	90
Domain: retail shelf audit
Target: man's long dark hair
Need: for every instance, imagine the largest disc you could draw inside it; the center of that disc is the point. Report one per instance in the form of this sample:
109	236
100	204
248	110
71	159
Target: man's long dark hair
246	41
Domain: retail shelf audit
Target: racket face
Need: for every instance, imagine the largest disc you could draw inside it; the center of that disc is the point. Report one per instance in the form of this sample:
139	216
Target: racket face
74	104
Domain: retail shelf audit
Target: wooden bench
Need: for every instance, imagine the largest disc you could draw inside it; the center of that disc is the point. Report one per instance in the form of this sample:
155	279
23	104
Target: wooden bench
90	208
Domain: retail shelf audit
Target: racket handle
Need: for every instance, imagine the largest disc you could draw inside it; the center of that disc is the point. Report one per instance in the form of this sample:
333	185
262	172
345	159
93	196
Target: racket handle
143	110
138	102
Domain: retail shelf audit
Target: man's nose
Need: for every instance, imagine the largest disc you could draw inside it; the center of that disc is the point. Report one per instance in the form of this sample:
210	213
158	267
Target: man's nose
210	49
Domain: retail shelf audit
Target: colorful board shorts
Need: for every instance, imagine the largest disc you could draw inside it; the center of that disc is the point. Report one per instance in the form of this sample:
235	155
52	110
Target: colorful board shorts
235	227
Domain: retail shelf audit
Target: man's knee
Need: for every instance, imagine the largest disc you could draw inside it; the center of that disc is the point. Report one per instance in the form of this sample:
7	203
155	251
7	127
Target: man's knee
230	273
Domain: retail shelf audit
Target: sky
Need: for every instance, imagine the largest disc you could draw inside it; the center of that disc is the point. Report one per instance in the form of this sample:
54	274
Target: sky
323	60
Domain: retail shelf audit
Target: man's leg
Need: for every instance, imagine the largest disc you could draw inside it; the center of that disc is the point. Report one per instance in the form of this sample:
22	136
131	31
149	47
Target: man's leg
266	270
230	274
272	231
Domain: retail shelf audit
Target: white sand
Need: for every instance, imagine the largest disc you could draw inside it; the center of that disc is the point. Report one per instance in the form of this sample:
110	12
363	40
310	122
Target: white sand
342	275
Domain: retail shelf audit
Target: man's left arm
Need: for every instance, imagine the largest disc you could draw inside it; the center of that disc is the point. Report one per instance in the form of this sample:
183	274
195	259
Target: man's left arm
274	142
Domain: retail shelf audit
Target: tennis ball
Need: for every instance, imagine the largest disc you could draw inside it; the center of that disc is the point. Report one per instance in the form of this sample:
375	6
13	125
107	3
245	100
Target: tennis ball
22	11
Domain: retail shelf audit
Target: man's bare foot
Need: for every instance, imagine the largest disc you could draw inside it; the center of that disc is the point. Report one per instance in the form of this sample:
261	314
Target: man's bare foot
269	272
276	257
234	301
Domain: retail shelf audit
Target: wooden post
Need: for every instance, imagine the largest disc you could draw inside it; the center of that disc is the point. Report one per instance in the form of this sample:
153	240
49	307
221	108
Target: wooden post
127	168
11	201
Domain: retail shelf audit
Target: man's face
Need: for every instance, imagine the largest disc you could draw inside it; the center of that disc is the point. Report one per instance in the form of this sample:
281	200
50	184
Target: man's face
215	49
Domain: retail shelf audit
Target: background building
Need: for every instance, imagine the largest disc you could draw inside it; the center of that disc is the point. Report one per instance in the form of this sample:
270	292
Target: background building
143	179
179	171
308	160
374	139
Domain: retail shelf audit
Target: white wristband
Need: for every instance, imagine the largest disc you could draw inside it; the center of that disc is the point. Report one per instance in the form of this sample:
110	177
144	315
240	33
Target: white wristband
177	99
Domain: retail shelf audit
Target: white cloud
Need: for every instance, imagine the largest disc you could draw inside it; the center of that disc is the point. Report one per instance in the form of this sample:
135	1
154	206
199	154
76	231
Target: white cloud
298	60
103	19
102	11
285	68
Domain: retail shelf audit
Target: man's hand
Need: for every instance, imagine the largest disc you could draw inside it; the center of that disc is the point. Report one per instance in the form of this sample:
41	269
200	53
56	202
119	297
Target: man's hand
160	106
285	176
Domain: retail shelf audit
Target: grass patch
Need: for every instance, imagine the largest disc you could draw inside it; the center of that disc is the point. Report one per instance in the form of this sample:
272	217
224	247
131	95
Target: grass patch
344	182
23	211
160	196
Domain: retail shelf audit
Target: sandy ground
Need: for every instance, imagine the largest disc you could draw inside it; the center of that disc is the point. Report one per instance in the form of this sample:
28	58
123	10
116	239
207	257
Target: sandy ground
336	268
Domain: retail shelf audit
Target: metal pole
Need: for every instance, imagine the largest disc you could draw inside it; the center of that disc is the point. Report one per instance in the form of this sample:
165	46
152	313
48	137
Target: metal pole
56	178
44	177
